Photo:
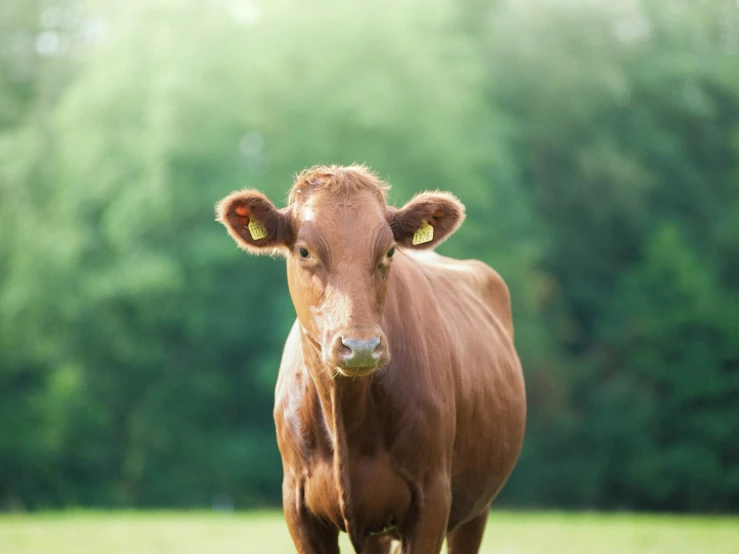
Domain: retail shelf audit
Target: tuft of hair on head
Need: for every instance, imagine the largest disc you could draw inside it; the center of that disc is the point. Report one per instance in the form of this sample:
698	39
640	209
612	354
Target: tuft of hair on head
337	179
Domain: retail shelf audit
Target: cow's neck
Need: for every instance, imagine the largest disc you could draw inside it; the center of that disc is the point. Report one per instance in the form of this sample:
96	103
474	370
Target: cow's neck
346	405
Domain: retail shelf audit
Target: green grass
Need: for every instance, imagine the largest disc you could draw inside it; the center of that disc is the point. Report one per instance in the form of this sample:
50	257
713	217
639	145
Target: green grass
507	533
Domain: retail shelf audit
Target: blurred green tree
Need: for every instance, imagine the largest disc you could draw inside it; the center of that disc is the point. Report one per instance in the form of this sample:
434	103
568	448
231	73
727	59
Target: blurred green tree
595	144
627	126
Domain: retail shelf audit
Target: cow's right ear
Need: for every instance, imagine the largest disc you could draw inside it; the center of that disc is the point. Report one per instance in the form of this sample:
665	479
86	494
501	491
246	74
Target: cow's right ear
254	222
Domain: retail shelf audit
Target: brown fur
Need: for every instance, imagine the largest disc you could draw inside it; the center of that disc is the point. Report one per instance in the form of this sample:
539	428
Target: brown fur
336	180
416	448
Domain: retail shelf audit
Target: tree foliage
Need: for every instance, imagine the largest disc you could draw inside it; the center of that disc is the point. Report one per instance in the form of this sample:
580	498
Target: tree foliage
595	144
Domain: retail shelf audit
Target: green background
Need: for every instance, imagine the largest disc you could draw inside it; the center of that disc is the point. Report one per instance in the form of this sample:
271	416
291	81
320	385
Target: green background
594	143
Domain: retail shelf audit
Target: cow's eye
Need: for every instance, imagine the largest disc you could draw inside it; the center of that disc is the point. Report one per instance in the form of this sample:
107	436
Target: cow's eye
391	252
303	253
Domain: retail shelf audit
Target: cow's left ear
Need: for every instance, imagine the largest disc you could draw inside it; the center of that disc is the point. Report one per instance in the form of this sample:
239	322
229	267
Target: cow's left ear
254	222
427	220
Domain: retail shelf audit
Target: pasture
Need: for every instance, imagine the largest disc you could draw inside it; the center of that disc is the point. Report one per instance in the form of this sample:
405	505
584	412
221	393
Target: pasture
507	533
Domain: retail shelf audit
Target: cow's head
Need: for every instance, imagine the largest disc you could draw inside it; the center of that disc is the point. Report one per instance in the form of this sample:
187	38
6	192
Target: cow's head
339	238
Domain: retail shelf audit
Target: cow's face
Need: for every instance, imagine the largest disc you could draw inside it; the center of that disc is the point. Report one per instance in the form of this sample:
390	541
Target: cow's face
340	240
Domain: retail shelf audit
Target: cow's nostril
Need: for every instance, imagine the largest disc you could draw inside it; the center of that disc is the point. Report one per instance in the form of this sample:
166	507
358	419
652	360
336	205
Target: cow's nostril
361	345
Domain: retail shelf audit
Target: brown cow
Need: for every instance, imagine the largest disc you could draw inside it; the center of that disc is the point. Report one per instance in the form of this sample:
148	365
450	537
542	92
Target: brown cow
400	404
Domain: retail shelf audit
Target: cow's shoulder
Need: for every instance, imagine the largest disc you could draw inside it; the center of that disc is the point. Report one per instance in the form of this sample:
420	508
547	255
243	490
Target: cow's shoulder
301	430
471	277
291	363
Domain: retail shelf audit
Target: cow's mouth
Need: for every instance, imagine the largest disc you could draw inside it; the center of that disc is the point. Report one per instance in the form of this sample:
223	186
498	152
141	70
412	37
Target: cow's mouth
356	371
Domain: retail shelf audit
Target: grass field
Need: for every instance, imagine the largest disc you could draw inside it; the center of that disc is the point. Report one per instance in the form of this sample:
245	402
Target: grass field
507	533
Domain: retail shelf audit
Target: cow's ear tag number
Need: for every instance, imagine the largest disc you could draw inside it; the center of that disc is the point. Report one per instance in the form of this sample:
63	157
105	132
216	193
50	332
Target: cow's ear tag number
425	233
256	229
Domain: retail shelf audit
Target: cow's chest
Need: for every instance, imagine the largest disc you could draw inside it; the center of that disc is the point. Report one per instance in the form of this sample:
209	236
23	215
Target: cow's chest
376	496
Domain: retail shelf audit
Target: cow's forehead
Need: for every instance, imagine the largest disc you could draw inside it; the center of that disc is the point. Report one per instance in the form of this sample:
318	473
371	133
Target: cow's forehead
347	221
339	208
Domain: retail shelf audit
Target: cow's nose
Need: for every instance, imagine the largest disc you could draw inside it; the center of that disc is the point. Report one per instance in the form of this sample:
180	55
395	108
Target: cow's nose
363	352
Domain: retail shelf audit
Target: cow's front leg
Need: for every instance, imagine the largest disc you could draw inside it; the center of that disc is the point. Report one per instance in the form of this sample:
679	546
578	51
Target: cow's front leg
425	530
310	535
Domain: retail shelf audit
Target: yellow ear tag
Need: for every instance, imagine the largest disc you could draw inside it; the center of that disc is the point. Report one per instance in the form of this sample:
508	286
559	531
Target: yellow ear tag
425	233
256	229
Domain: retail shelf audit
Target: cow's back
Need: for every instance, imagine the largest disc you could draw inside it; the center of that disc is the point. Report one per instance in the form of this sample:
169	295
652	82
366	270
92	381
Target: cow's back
468	277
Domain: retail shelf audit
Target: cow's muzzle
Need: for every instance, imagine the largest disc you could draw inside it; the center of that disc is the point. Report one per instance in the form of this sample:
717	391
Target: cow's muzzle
363	352
358	357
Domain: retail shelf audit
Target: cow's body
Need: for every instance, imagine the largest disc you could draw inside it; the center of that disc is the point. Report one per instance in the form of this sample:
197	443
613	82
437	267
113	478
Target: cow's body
419	447
450	403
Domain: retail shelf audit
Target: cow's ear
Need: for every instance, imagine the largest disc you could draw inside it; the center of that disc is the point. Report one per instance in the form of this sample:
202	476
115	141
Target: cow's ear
426	220
254	222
